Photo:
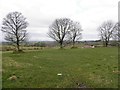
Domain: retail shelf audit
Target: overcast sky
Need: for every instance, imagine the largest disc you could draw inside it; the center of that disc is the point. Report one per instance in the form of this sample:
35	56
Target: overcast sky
41	13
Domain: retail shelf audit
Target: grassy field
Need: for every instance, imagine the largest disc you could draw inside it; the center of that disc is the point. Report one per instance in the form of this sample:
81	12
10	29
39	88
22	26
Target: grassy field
85	67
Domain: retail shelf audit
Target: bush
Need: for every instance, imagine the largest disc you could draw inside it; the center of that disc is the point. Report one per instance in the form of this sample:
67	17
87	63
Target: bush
40	44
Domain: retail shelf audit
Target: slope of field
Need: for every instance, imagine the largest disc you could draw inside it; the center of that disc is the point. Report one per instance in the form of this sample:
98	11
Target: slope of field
85	67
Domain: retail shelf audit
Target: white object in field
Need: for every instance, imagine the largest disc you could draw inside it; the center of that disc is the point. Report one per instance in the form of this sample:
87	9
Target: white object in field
12	77
93	46
59	74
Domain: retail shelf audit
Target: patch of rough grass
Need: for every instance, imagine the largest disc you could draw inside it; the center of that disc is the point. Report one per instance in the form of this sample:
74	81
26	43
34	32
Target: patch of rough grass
13	63
17	52
74	47
79	67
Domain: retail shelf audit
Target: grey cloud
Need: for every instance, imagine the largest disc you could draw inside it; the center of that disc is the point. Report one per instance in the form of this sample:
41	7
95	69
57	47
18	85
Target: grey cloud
41	13
40	22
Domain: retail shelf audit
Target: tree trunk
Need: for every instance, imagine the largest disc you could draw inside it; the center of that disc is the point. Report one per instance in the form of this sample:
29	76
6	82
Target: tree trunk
73	44
73	41
106	43
61	44
18	46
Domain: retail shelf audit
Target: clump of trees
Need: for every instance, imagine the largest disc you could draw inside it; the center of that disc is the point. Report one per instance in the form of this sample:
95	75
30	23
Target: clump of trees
65	29
40	44
116	33
14	26
62	30
108	30
75	33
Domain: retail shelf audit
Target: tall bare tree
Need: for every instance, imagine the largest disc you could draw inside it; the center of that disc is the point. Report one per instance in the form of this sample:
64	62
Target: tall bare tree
106	31
14	26
116	33
59	29
75	33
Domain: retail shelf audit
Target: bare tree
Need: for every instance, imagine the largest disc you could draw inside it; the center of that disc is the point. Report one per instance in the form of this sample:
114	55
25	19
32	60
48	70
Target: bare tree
59	29
14	26
106	31
75	33
116	33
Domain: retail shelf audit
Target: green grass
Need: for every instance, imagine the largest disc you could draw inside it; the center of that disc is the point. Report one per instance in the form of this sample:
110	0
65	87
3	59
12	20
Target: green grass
96	68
